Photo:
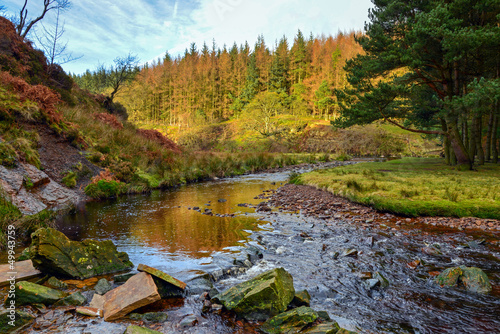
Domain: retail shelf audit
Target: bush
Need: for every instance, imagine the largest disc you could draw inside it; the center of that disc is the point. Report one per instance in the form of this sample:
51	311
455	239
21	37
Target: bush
69	180
105	189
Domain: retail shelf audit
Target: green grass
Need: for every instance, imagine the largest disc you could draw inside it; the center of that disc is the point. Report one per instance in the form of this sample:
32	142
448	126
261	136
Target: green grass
415	187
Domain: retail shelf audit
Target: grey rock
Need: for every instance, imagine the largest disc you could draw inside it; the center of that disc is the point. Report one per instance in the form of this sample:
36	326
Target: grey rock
103	286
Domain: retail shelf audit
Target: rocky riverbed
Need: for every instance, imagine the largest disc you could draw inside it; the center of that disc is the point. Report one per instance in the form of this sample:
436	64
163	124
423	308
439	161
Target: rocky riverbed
371	272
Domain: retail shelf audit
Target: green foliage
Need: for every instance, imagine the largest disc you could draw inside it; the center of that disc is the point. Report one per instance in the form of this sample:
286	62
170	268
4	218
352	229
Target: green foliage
8	155
28	184
262	113
343	157
70	179
294	178
409	71
105	189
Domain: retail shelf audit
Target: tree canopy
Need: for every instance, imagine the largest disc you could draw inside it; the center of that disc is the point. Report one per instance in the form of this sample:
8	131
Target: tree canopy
421	68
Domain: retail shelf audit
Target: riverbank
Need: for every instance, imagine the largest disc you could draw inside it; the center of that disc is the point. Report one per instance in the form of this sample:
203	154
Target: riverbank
415	187
321	204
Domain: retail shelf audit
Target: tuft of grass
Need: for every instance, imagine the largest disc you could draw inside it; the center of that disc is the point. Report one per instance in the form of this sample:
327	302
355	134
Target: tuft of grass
70	179
294	178
415	187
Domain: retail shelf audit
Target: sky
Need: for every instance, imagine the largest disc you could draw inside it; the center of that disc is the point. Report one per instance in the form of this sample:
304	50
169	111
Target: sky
99	31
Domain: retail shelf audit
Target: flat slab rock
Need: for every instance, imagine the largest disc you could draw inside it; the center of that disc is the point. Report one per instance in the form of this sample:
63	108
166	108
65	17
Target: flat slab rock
22	270
140	290
160	274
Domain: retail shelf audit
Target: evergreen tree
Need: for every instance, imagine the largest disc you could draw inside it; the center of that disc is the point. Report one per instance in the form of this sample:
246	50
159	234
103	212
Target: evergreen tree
442	45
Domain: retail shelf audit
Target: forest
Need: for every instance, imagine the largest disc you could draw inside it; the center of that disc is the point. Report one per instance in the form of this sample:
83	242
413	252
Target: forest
212	84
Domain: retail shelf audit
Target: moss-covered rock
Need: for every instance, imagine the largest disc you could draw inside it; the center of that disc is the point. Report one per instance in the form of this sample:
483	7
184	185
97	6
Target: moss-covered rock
54	283
472	278
31	293
132	329
301	298
325	328
156	317
260	298
75	299
475	280
290	322
53	253
449	277
13	321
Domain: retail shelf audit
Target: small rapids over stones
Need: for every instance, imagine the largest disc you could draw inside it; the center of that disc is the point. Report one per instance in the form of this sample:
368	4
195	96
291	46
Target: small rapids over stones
372	272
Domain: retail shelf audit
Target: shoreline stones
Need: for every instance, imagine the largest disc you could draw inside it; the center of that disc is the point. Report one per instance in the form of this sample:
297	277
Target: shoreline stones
53	253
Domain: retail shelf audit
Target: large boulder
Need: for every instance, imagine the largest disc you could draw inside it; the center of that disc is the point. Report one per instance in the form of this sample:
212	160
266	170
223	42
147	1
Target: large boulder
53	253
14	320
260	298
137	292
31	293
290	322
472	278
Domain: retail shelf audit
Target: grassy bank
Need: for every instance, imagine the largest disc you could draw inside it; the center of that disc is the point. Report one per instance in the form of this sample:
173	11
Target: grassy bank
415	187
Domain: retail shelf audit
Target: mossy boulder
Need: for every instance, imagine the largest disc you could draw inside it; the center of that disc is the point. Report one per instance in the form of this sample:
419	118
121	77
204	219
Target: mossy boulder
54	283
133	329
472	278
12	321
301	298
75	299
260	298
290	322
324	328
475	280
31	293
53	253
449	277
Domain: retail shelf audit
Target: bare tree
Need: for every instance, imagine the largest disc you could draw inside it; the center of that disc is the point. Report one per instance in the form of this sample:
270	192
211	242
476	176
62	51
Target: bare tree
124	70
24	25
54	49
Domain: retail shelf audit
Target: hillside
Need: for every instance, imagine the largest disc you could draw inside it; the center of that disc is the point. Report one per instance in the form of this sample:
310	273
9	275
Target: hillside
59	144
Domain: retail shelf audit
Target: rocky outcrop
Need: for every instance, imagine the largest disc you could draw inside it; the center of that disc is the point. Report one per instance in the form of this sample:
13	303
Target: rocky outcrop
262	297
137	292
31	190
473	279
53	253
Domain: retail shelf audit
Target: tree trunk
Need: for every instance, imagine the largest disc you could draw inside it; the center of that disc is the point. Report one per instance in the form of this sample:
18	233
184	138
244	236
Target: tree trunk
494	139
446	144
463	159
489	134
479	141
472	139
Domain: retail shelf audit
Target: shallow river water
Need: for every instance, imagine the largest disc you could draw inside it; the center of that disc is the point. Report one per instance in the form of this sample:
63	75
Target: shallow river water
163	230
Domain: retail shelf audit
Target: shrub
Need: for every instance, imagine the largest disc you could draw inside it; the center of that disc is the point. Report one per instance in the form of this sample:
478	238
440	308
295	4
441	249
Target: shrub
105	185
69	180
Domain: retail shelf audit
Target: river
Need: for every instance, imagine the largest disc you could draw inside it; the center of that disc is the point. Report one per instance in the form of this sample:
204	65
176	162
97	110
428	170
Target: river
163	230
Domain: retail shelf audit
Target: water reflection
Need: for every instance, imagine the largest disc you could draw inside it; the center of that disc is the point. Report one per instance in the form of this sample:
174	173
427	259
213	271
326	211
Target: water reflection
163	230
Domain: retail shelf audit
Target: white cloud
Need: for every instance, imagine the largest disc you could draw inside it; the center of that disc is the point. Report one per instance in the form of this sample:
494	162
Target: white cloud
101	30
228	21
